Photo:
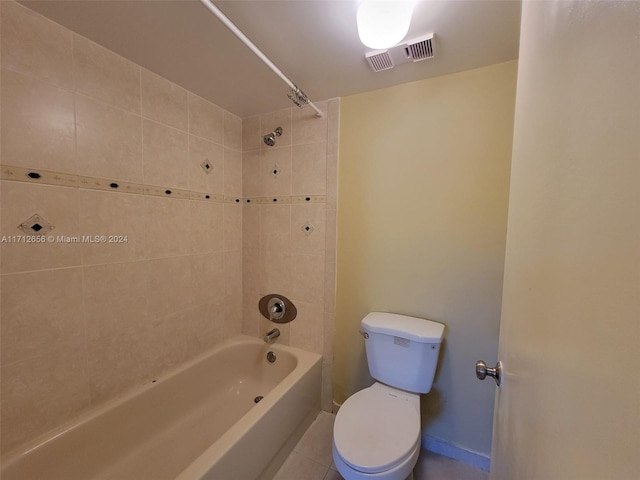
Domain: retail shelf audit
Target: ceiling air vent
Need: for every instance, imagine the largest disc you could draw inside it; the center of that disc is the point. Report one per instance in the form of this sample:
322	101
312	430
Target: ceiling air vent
379	61
420	48
411	51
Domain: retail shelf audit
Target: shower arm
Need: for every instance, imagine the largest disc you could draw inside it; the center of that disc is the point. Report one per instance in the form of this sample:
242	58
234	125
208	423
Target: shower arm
297	96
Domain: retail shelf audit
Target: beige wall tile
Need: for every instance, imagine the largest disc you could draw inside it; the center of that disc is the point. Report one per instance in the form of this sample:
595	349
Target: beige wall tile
174	341
168	227
272	160
330	281
251	274
251	138
201	150
333	126
232	314
38	128
208	277
35	45
307	283
301	241
251	178
275	228
331	234
206	119
329	331
275	274
233	273
307	329
165	155
102	74
193	331
163	101
117	214
206	226
250	313
57	205
309	166
171	284
232	228
116	302
41	313
275	244
270	121
332	181
232	173
306	127
109	141
232	131
331	241
113	291
251	249
41	393
251	229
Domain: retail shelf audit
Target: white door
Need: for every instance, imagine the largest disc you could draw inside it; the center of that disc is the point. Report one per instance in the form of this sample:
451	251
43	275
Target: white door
569	408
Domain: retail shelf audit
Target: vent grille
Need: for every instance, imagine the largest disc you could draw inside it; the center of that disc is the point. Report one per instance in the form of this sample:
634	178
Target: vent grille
379	61
420	49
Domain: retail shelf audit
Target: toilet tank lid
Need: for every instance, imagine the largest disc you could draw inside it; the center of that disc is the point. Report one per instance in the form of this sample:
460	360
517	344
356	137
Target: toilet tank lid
413	328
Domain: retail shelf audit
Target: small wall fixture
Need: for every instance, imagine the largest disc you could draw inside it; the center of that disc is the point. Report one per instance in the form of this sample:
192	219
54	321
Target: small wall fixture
277	308
384	23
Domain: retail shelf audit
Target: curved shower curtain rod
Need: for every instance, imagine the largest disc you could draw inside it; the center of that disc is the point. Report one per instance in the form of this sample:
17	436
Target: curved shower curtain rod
296	95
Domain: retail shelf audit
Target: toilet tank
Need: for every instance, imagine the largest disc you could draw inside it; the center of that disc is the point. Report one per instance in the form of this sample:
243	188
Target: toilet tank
402	351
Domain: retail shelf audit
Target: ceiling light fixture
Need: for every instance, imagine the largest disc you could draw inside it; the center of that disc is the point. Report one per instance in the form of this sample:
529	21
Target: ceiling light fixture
384	23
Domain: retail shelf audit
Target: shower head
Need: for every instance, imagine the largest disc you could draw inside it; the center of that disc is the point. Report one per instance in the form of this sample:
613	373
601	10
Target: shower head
270	138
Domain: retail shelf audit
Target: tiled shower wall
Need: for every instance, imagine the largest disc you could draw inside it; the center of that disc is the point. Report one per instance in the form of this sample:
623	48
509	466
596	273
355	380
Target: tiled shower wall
83	322
289	226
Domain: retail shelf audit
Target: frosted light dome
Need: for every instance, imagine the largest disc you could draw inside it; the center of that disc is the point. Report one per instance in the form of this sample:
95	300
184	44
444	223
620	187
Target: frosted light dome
384	23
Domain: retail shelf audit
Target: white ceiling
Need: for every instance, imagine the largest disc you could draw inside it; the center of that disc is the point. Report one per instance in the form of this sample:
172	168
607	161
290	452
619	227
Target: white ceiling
314	42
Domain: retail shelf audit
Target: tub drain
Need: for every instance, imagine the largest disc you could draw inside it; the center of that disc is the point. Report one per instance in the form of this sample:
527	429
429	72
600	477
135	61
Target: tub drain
258	398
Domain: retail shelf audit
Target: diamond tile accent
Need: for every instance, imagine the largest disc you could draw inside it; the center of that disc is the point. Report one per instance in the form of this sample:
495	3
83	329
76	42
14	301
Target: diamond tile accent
36	224
207	166
307	229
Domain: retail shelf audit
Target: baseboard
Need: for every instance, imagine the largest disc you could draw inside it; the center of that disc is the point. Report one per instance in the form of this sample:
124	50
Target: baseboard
456	452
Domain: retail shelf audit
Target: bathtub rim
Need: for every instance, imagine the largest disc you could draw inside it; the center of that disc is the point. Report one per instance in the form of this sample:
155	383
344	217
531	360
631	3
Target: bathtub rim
303	357
306	363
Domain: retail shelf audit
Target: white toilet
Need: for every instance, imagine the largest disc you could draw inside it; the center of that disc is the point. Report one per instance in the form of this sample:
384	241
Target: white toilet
376	434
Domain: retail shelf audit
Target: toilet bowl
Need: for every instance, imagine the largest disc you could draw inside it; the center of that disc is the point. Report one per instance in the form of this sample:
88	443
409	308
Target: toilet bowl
377	434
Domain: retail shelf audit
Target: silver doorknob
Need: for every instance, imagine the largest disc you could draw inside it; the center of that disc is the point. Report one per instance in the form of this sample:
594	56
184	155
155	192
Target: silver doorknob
482	371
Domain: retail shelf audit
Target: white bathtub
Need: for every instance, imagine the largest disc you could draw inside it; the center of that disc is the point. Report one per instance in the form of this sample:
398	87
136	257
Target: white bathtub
198	422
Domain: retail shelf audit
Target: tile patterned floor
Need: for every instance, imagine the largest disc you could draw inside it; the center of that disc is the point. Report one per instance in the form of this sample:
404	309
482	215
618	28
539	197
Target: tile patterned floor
311	459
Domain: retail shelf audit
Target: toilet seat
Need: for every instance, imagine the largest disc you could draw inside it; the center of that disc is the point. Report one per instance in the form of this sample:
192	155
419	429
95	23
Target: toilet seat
376	429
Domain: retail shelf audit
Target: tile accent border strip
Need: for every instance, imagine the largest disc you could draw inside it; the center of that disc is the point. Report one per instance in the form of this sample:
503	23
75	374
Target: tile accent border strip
46	177
285	200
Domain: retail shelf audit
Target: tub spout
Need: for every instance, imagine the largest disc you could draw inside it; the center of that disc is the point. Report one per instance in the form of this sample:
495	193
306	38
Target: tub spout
271	335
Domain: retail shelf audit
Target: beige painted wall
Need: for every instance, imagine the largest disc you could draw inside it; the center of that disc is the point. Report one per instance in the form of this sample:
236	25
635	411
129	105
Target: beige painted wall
422	210
82	323
279	255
